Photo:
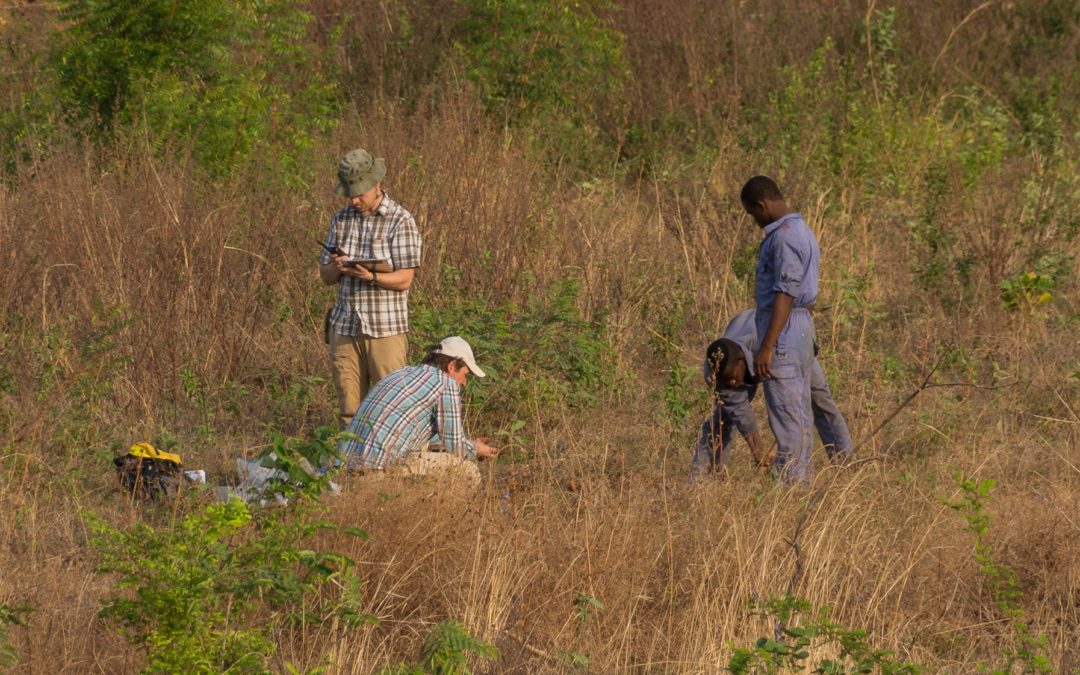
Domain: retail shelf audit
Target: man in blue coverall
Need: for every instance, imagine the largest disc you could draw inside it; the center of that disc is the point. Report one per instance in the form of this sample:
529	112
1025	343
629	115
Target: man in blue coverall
727	372
785	288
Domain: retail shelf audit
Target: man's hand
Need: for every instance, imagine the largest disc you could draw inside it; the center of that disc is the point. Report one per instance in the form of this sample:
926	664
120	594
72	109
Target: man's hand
354	271
763	364
330	272
484	450
781	311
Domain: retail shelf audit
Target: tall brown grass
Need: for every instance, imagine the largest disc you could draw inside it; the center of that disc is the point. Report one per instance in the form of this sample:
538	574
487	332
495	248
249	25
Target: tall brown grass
139	296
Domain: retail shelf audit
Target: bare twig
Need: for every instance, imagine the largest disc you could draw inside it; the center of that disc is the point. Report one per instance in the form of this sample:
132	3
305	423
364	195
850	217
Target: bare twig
800	525
956	28
903	404
535	651
251	253
670	343
1054	419
1057	508
796	546
926	384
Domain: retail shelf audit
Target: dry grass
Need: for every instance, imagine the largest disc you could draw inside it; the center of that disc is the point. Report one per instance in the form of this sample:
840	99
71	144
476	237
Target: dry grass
675	565
219	280
140	297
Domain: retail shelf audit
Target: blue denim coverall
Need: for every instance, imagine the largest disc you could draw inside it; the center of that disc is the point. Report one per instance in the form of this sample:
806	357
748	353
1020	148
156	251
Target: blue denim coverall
732	407
788	262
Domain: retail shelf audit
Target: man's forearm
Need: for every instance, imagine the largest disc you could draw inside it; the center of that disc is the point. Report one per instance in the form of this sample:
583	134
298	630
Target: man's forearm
781	310
398	280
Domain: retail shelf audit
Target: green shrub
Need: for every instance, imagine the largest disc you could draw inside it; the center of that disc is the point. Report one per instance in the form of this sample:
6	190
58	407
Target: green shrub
530	56
446	651
232	77
791	647
302	462
10	615
1027	290
553	65
1028	648
584	606
544	353
203	594
684	394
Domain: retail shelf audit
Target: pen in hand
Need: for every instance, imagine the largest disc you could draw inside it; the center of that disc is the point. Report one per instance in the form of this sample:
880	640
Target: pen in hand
332	251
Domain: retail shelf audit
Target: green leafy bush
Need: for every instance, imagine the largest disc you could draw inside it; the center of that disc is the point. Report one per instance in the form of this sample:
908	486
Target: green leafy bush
584	606
203	594
683	394
10	615
544	353
301	461
1027	290
791	648
553	65
1029	648
529	56
232	77
107	59
446	651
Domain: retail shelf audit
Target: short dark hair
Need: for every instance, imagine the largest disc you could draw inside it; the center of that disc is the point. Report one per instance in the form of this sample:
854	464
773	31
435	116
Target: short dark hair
758	189
442	361
722	356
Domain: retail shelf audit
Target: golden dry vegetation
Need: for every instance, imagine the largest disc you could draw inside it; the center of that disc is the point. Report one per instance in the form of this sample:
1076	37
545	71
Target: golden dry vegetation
141	294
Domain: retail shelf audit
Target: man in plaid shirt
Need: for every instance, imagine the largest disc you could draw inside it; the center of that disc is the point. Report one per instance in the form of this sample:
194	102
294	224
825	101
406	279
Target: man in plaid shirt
372	252
414	408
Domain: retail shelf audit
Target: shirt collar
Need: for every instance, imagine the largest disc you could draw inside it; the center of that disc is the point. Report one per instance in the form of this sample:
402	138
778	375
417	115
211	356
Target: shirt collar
773	226
384	206
441	374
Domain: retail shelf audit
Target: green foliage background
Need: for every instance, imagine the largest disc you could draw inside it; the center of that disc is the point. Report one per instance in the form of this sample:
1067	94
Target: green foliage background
228	79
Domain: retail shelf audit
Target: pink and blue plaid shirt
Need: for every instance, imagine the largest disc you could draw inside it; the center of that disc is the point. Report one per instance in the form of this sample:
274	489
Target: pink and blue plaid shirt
404	412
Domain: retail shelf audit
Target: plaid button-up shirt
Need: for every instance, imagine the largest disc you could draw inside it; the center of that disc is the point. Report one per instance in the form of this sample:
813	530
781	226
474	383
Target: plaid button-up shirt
390	233
404	412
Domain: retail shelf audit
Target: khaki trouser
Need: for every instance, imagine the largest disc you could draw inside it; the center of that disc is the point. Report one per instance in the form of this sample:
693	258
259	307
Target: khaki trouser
358	362
441	465
438	465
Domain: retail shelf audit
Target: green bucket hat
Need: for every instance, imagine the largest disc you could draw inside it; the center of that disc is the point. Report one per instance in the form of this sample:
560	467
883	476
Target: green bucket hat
359	172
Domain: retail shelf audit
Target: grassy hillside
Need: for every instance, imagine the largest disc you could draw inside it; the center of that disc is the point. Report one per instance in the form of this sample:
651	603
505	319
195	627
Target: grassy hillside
574	168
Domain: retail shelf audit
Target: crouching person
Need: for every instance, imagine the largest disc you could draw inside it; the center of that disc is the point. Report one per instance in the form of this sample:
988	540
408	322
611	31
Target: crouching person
727	371
413	410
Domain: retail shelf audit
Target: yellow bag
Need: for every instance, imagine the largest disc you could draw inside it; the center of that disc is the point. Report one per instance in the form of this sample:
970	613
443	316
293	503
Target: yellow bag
146	471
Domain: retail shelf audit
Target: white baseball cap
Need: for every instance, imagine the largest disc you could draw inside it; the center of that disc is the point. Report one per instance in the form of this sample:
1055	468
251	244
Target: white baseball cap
456	347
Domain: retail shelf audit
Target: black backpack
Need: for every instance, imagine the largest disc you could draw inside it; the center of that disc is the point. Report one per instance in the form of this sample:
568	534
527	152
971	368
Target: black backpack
146	471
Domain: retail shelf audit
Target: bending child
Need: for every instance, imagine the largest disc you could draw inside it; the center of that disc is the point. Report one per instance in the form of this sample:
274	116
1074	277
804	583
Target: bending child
728	373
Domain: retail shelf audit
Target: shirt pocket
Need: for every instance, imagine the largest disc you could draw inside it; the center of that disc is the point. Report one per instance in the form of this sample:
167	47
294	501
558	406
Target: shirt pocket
380	248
